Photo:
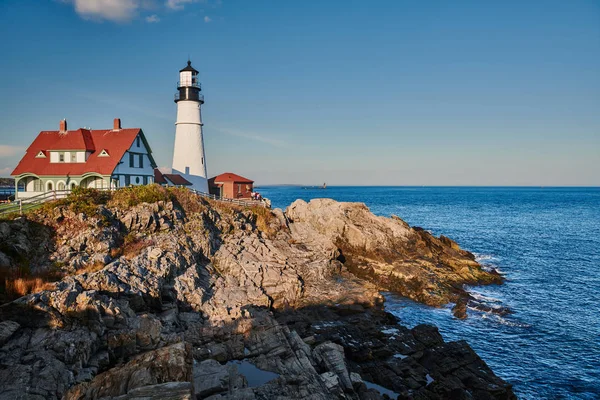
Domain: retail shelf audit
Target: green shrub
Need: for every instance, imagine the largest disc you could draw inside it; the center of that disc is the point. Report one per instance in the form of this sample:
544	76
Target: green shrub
132	196
80	200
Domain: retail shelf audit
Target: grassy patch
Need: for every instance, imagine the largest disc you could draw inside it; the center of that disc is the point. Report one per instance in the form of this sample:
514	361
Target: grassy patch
80	200
132	196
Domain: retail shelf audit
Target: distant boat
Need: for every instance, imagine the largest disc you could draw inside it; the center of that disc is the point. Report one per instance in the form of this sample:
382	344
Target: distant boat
324	186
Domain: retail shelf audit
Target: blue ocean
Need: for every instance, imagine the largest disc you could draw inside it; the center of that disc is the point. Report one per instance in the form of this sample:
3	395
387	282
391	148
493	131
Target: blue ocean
546	243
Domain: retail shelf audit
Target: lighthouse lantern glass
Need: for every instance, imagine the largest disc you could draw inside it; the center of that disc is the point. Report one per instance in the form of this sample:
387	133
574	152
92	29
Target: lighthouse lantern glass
185	78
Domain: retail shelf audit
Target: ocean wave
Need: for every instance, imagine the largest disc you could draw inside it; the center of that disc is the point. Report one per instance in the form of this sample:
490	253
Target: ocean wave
483	298
504	321
482	257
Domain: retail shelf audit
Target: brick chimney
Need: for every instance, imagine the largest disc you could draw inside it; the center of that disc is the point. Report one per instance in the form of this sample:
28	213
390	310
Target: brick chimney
117	124
62	127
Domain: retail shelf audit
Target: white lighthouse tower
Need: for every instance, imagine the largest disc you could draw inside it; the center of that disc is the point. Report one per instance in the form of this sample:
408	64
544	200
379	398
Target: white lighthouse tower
188	154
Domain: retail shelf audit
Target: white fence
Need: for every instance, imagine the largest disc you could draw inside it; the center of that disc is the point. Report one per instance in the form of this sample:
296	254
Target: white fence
22	205
247	203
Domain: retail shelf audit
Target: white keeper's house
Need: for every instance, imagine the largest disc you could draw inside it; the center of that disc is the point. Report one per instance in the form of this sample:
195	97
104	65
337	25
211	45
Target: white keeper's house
63	159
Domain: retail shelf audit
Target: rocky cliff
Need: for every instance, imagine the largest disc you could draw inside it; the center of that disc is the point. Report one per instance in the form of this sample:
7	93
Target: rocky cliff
184	298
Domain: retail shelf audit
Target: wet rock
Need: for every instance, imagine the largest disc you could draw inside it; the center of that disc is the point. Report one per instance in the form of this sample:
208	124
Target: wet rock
210	377
460	309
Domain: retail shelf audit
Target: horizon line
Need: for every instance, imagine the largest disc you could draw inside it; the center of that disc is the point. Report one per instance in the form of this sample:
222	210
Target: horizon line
429	186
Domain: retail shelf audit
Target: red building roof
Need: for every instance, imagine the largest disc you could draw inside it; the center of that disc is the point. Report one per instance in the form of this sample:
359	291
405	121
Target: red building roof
177	179
114	142
174	179
230	177
159	177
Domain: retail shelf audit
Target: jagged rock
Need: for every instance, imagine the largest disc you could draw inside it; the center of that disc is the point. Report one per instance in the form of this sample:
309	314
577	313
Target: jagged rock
210	377
331	356
387	251
163	391
168	364
4	260
7	328
286	294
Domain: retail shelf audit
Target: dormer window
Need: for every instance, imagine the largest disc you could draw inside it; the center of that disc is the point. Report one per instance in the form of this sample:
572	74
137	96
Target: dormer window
61	157
137	141
73	157
103	153
40	155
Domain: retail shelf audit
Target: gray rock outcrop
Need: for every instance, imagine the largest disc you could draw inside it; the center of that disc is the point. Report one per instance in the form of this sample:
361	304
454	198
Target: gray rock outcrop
178	292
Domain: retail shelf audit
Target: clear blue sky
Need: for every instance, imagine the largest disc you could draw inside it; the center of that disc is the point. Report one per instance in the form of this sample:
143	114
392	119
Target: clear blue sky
343	92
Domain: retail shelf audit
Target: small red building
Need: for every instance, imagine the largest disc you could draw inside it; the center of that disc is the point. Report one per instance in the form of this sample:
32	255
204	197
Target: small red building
231	186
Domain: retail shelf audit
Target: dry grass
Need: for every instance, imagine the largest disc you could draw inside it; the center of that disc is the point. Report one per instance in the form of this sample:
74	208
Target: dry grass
264	220
15	283
90	268
134	245
116	252
189	201
22	286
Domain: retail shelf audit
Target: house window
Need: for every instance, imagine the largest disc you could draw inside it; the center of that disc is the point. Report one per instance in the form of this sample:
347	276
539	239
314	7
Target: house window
49	186
137	180
73	185
73	157
239	188
131	160
145	180
61	186
137	141
38	186
127	180
61	157
141	161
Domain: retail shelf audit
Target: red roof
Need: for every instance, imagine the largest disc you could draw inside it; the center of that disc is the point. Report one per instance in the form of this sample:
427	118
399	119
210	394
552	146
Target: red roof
230	177
159	177
177	179
114	142
174	179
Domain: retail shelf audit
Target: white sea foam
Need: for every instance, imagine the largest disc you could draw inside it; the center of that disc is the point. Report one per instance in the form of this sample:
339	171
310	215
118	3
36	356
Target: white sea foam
483	298
479	257
503	321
